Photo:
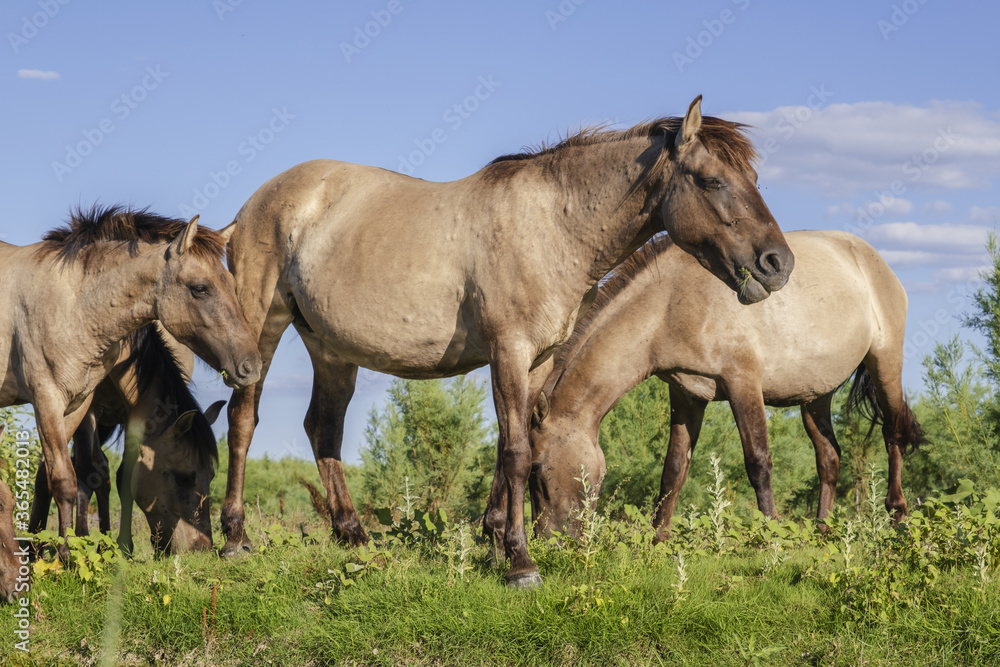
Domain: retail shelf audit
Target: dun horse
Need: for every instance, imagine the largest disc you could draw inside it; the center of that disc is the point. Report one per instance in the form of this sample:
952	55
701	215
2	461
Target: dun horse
660	314
114	271
427	280
171	450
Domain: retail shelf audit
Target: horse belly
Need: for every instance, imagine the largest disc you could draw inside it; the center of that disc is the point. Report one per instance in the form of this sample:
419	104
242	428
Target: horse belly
796	380
700	387
388	330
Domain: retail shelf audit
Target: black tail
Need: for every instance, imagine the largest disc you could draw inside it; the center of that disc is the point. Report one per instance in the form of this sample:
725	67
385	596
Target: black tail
862	399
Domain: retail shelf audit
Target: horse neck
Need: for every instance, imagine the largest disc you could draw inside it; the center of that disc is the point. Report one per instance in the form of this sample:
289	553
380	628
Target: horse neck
603	361
608	205
116	296
162	393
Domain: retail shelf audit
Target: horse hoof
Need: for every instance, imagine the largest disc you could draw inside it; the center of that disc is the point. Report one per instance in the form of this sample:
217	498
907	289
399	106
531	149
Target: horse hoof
236	551
525	581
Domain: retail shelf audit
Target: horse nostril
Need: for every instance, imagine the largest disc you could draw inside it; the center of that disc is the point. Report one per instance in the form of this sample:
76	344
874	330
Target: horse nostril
246	368
770	263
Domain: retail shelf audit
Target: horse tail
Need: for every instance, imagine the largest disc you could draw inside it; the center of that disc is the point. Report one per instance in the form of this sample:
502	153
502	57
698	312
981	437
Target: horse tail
912	431
317	499
861	398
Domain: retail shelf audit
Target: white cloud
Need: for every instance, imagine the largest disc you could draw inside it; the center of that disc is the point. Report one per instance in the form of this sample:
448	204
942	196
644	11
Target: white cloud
955	253
891	205
899	206
908	257
937	207
931	238
37	74
987	214
844	208
864	148
962	274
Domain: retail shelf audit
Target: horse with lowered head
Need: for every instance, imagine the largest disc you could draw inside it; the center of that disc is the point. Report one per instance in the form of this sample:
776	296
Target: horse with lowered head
115	271
170	453
425	280
843	311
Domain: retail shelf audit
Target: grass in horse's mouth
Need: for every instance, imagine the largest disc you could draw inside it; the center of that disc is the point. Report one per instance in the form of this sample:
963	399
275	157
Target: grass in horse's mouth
745	272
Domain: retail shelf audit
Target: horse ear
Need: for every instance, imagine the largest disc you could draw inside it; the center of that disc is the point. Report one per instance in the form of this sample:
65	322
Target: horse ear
213	411
227	232
185	239
183	424
541	410
691	125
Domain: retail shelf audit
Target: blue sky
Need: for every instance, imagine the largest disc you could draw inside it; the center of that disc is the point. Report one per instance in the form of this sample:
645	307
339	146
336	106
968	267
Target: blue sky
882	118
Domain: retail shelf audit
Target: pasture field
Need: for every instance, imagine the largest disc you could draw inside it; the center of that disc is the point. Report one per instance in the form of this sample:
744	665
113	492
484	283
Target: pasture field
727	589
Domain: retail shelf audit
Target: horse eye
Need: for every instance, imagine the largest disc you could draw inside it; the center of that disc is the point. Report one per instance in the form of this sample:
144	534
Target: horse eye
199	290
711	184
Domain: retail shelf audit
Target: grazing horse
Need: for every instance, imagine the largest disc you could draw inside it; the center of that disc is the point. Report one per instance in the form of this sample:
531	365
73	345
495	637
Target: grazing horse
428	280
69	300
172	465
843	311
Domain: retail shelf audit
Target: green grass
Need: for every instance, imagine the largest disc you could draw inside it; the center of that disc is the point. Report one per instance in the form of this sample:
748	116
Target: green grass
745	601
727	589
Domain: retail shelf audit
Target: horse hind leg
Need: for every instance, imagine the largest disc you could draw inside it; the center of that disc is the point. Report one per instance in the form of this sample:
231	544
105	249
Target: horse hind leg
333	387
818	422
41	501
87	477
102	468
883	386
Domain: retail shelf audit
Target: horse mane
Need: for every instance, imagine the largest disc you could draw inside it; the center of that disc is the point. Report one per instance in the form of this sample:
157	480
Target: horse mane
88	228
725	139
611	286
154	361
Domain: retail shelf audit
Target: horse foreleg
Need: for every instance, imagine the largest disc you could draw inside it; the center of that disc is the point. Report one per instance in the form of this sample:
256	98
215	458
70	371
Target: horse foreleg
243	417
747	403
58	464
495	518
818	423
509	367
686	416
